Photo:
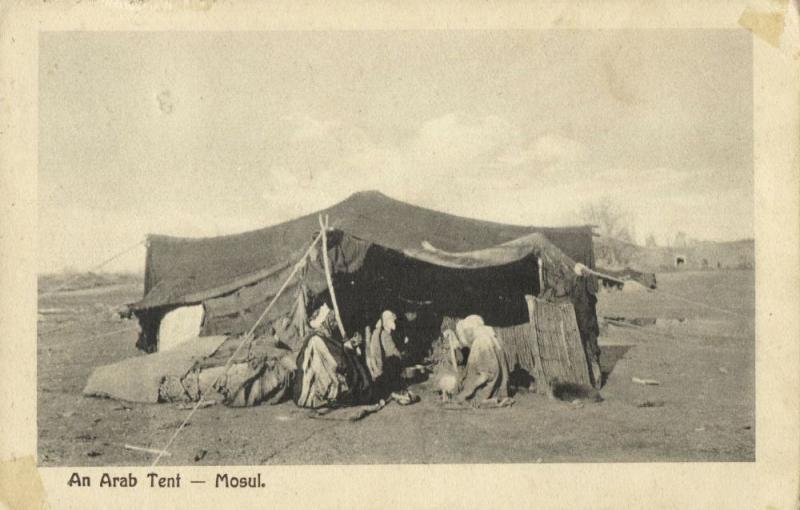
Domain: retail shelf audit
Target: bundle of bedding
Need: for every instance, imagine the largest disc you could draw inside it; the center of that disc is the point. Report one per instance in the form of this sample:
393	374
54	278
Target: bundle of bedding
261	371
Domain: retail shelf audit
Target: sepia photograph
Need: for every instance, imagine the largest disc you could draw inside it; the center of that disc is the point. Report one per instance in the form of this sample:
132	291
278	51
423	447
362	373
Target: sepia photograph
395	247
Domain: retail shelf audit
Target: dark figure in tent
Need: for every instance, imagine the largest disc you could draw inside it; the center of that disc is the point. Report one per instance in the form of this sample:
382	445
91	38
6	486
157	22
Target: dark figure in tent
384	361
584	298
383	357
415	333
581	290
329	372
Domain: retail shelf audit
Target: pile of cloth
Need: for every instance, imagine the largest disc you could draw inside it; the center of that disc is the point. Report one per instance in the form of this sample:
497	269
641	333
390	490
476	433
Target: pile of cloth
261	374
145	378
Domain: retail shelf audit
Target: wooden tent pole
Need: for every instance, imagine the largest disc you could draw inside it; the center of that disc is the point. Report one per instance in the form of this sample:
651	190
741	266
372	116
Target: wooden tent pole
541	275
602	275
324	227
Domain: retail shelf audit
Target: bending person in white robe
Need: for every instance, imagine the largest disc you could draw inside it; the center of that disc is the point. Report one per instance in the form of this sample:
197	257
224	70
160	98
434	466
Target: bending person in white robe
486	376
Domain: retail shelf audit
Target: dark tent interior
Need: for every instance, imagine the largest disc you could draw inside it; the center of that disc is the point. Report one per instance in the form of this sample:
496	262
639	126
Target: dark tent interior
422	294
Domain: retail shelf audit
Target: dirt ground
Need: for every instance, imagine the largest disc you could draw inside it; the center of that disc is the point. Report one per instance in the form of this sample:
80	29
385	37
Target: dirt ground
702	410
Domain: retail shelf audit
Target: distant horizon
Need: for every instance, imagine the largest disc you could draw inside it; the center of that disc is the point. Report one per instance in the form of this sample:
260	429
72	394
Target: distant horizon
200	134
66	270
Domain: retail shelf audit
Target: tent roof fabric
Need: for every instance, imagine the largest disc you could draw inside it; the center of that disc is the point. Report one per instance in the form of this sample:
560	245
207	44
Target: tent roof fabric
184	270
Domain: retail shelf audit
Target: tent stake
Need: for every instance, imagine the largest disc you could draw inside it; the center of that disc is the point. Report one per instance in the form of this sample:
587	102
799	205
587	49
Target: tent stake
147	450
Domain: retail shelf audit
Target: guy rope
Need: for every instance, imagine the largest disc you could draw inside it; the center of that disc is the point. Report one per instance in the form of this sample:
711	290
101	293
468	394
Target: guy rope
75	277
68	281
580	268
698	303
246	339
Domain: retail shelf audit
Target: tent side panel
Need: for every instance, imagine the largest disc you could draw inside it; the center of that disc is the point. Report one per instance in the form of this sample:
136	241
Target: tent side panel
517	342
236	314
560	345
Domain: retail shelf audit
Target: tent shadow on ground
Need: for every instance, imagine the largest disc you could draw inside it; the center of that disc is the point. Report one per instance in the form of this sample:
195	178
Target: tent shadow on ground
609	356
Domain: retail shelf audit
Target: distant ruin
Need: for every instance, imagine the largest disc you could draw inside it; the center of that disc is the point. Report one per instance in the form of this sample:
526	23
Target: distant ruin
695	256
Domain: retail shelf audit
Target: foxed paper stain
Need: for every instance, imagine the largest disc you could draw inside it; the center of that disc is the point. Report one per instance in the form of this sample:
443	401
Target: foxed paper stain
618	87
20	484
766	25
165	102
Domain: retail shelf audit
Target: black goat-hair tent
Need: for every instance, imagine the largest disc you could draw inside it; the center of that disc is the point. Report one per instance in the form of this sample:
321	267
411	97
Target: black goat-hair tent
383	252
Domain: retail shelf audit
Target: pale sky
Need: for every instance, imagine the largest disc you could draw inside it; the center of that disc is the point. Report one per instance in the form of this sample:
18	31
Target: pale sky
200	134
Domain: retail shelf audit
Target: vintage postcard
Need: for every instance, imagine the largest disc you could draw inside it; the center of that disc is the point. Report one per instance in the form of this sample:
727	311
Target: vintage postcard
400	255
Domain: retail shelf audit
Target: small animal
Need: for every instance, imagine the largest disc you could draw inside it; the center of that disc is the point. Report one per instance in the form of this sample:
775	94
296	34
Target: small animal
570	392
448	386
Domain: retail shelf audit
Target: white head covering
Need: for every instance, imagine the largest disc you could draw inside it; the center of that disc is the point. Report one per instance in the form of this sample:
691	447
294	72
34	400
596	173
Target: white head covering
319	316
388	318
465	329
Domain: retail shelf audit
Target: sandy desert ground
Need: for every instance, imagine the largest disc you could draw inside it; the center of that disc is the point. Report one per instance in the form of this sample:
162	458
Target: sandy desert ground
702	410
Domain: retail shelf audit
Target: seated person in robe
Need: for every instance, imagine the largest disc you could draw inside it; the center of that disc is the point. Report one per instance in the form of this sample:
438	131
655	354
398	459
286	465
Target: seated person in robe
329	372
385	361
